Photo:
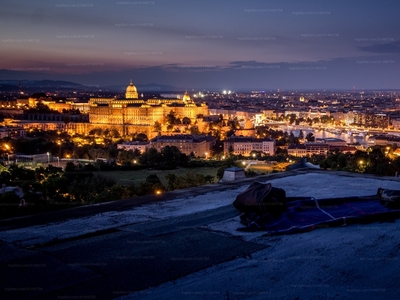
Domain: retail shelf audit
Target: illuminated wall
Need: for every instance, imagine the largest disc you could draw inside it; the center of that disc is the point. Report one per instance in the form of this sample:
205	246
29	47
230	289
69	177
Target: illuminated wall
140	112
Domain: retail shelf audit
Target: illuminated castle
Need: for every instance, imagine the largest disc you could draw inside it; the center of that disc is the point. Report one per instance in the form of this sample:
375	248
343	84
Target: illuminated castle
130	115
131	112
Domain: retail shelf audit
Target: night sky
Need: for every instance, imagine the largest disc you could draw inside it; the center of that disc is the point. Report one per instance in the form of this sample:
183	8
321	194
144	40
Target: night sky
204	44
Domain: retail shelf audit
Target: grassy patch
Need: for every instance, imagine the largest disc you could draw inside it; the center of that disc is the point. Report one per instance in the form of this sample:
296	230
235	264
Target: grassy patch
126	178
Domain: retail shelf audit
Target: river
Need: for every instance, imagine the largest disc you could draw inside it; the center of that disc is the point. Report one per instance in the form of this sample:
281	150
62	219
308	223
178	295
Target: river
362	138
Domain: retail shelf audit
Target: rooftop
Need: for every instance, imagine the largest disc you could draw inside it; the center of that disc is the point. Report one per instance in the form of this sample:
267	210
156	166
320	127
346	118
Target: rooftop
185	244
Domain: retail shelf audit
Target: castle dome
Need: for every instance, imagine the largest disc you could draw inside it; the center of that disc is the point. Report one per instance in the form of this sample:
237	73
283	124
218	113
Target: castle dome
131	91
186	97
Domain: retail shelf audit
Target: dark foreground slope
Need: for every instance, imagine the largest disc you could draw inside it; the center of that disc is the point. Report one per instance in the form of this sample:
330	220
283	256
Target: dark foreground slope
186	246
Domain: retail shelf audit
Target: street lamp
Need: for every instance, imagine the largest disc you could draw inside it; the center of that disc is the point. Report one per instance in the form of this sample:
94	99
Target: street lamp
59	148
48	158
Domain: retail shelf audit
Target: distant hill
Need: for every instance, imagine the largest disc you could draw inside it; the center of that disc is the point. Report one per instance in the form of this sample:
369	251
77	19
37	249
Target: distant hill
47	85
43	84
8	88
52	84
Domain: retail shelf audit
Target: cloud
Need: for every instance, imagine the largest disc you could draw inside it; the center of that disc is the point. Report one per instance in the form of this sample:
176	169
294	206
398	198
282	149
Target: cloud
190	67
252	64
393	47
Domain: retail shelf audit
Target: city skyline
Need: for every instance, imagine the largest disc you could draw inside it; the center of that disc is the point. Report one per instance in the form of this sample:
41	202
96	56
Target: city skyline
232	45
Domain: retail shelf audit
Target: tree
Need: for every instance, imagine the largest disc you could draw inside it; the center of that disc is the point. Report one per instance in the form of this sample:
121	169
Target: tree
230	150
126	157
150	186
150	158
41	107
301	135
114	133
142	137
171	156
171	118
233	123
209	179
218	147
292	139
70	167
291	118
194	130
153	179
56	188
157	126
186	121
310	137
96	131
96	153
326	119
171	179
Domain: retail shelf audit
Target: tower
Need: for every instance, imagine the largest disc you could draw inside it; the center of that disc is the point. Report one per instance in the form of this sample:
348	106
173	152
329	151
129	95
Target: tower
131	91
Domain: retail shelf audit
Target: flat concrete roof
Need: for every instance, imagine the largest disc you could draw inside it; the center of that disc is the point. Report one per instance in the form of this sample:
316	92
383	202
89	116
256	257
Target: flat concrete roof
184	244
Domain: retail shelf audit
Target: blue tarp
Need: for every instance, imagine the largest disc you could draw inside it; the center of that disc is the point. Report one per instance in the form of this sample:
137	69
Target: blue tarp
306	214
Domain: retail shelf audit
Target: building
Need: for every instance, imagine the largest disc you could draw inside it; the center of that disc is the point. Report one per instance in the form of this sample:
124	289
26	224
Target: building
317	148
131	115
246	145
269	113
371	119
12	131
305	149
247	129
384	140
377	120
333	142
298	150
344	149
141	146
198	145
